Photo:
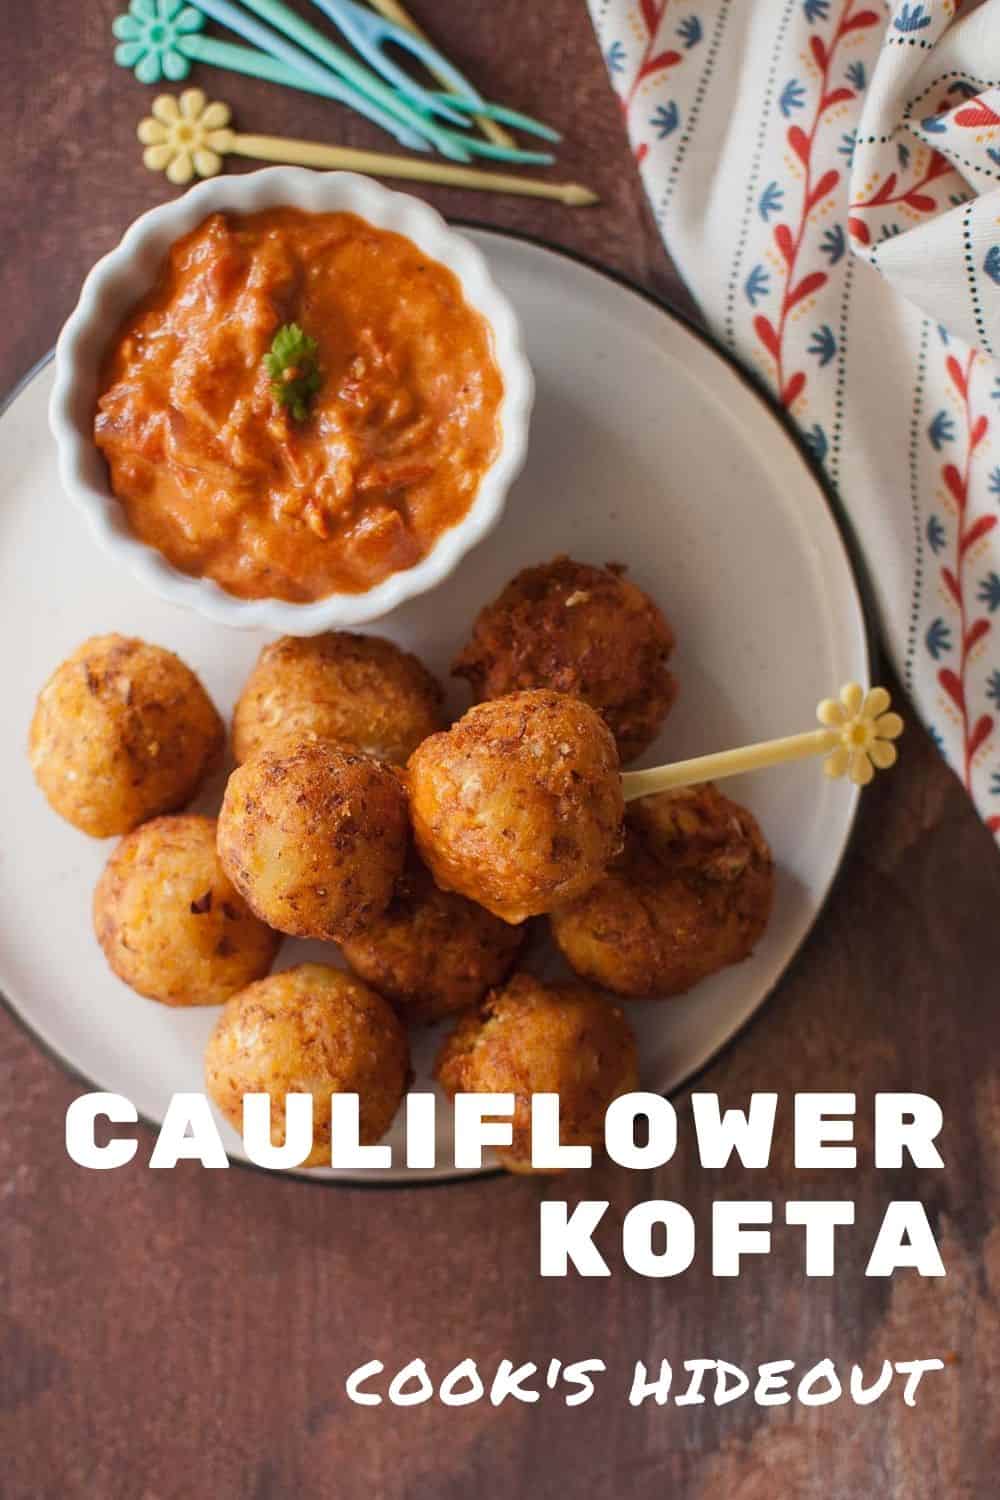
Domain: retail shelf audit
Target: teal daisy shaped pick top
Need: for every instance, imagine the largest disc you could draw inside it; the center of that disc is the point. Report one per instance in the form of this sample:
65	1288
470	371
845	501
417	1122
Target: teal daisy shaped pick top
150	35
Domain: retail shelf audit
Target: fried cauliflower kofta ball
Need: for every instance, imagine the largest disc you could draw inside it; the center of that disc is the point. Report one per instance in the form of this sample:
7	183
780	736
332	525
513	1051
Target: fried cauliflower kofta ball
533	1038
122	732
690	894
582	630
309	1030
432	952
519	805
314	838
357	690
169	921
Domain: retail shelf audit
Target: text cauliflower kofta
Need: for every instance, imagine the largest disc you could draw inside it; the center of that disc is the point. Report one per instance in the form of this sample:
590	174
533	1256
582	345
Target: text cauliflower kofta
690	894
432	952
533	1038
356	690
519	805
314	838
310	1030
583	630
122	732
169	921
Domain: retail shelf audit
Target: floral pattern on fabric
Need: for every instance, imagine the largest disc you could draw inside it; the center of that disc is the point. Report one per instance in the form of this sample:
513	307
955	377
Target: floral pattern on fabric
826	175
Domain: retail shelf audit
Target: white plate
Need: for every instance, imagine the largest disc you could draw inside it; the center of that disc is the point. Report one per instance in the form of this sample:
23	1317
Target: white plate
647	448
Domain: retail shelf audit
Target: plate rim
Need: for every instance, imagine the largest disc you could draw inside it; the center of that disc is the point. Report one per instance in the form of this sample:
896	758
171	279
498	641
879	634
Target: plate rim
863	587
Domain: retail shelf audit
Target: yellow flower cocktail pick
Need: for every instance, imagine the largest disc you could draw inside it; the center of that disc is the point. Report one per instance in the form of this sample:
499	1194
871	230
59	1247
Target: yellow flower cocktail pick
189	136
856	738
865	731
186	137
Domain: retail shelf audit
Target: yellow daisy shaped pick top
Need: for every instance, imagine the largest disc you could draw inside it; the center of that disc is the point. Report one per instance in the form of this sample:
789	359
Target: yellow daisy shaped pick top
864	730
856	741
185	136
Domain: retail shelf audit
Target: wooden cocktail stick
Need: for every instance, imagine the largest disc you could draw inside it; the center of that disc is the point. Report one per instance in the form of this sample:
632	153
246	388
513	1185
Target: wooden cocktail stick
856	739
393	11
190	136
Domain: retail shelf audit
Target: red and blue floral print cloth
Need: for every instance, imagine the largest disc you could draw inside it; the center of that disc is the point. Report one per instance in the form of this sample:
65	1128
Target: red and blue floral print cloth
826	174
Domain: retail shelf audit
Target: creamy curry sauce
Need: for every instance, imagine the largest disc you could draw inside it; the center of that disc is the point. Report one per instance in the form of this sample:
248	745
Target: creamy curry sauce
221	479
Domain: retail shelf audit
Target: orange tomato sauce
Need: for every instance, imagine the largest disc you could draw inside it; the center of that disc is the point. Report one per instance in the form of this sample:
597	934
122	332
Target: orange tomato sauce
216	475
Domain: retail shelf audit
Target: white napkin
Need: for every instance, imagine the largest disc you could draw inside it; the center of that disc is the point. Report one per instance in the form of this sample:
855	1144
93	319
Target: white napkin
826	174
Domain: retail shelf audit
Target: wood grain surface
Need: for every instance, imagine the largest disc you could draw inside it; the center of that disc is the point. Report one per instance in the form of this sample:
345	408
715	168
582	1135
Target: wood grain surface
165	1336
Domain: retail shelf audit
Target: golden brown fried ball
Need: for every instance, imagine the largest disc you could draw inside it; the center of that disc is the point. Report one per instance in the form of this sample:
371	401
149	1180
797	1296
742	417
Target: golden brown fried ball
122	731
357	690
314	839
533	1038
690	894
169	921
432	952
309	1030
519	805
582	630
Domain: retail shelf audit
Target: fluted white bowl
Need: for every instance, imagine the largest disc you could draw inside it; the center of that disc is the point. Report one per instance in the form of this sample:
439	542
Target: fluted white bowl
122	277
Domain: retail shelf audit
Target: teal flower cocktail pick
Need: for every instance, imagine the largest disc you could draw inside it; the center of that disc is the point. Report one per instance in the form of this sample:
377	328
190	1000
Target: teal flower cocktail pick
151	35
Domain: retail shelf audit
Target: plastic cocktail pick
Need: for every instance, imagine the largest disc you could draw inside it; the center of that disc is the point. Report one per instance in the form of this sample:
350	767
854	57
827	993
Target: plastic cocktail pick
449	75
188	137
367	31
856	739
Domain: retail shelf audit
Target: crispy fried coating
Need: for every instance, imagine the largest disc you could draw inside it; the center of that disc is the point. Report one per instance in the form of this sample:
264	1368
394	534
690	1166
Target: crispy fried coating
533	1038
357	690
583	630
314	838
309	1030
169	921
690	894
122	731
432	952
519	805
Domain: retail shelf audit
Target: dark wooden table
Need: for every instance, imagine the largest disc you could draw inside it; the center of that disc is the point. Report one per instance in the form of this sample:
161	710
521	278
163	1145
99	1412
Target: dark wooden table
165	1336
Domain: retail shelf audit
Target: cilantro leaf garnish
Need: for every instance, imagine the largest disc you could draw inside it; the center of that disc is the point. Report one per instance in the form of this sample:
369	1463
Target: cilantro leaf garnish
295	375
